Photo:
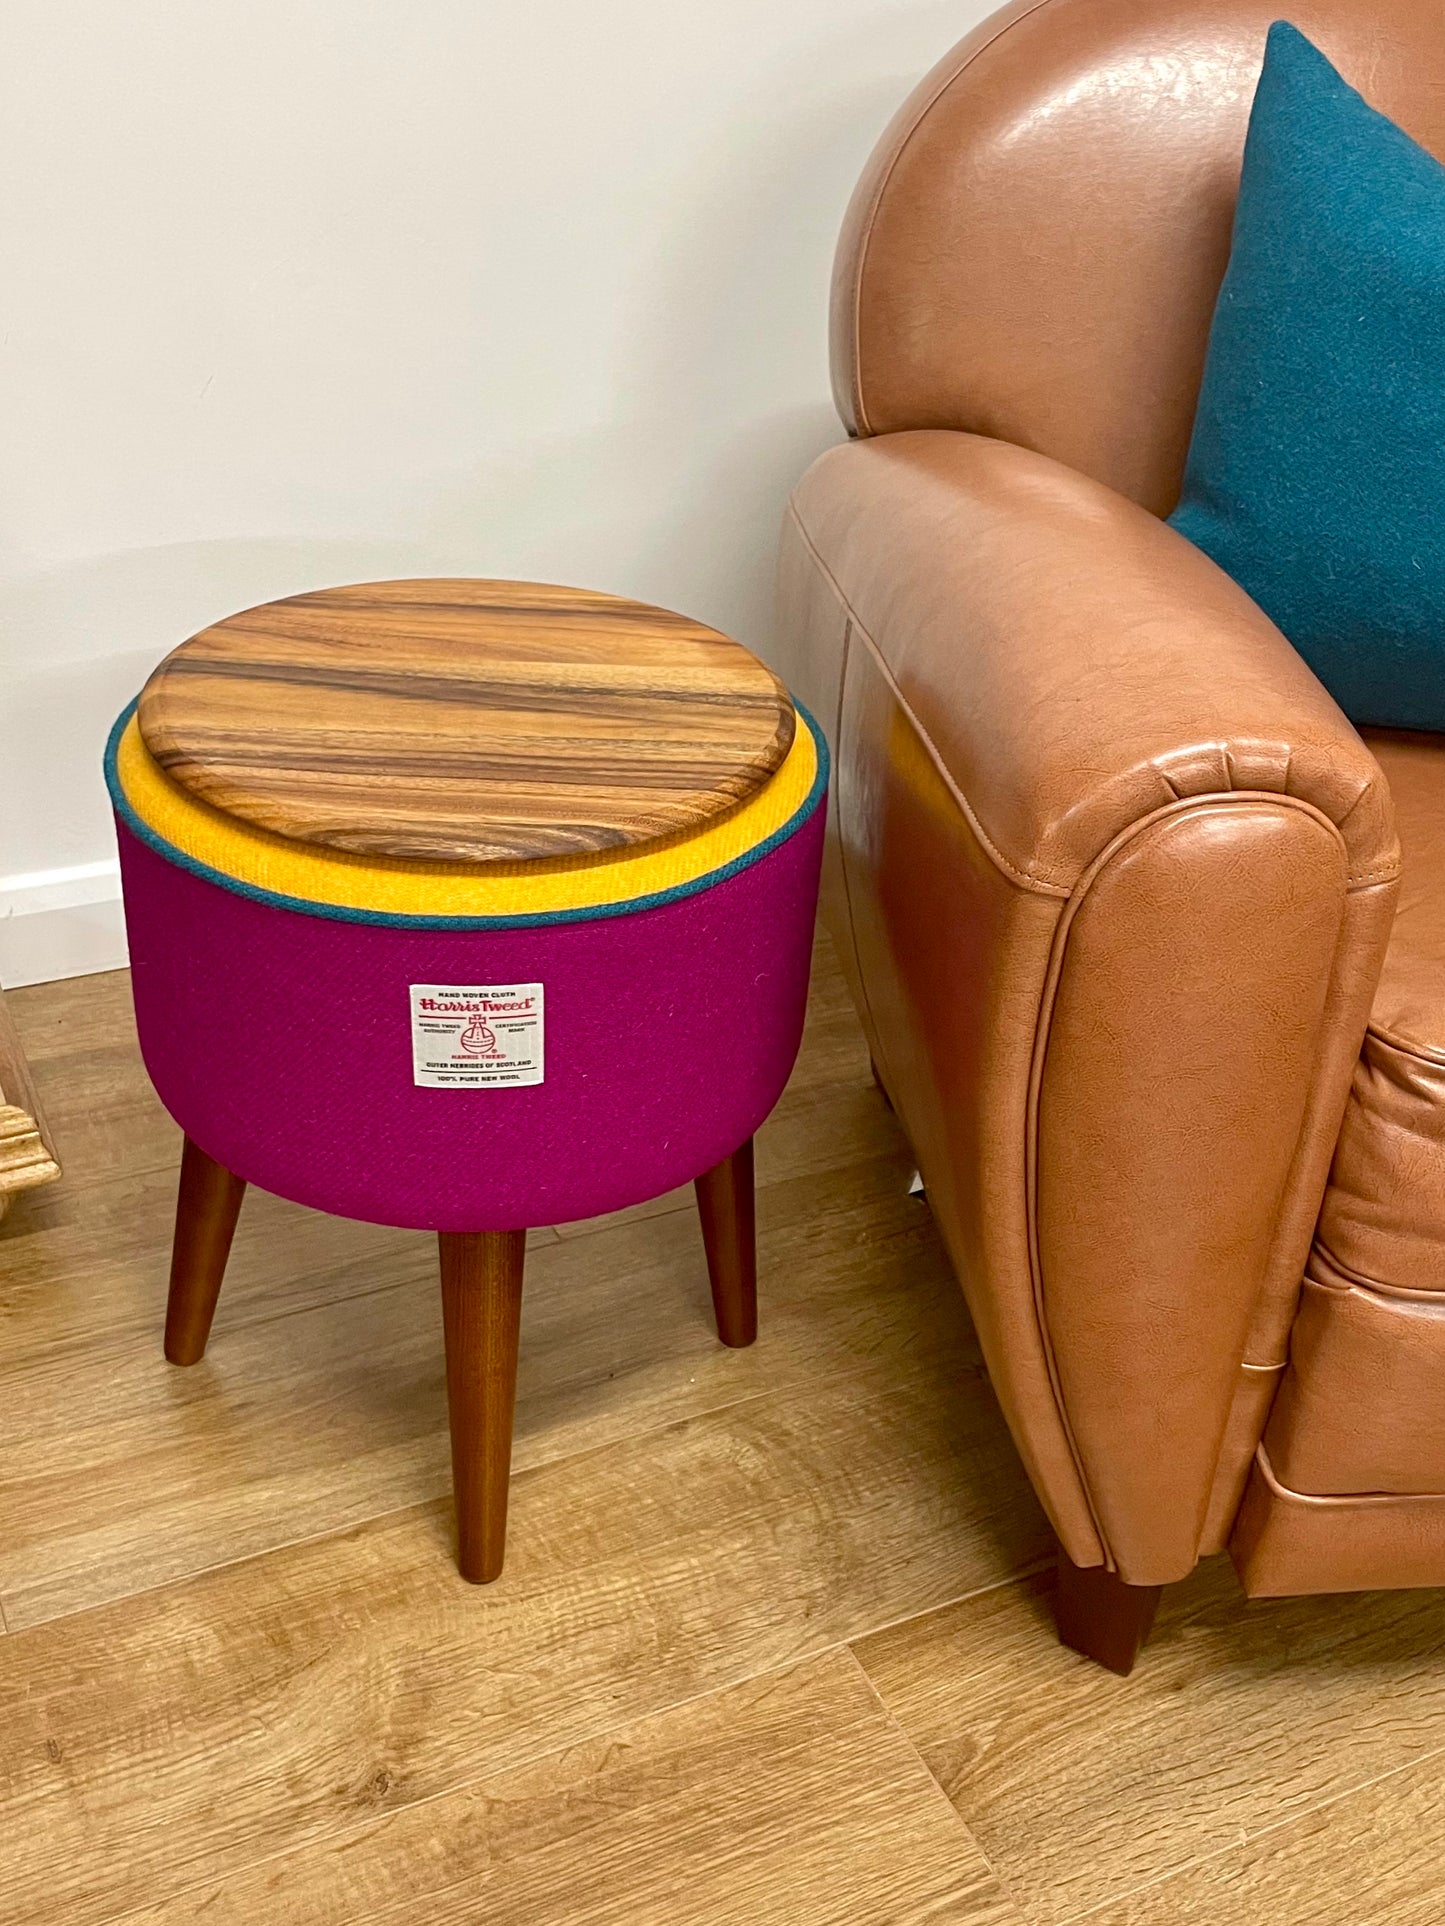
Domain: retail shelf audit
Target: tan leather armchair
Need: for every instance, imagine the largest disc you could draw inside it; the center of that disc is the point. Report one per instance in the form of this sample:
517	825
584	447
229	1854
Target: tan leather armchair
1155	994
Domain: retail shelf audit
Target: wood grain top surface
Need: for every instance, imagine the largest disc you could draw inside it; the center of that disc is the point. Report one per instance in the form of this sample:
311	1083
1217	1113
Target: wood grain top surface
466	721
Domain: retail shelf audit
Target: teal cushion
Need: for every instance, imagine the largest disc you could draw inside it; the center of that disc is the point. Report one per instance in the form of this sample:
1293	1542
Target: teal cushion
1316	474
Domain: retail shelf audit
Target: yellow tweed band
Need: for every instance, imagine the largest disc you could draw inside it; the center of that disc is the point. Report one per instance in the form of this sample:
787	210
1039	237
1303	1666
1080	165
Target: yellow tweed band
258	861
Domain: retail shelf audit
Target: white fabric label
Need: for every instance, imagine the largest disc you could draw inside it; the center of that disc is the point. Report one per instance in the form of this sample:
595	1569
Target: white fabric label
461	1037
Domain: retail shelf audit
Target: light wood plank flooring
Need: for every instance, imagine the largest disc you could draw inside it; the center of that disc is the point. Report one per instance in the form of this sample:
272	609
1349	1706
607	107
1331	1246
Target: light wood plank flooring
772	1642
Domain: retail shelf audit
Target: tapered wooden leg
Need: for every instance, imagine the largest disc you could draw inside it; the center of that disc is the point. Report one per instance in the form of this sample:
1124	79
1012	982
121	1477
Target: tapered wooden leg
207	1206
725	1205
1101	1617
481	1314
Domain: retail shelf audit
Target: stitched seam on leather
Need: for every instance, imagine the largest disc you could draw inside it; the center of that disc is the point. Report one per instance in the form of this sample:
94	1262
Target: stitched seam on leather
1394	867
854	626
1339	1500
905	139
1042	1035
1391	871
846	617
849	624
874	1036
1022	877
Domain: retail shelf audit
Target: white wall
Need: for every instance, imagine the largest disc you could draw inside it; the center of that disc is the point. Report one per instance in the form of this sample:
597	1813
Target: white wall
306	291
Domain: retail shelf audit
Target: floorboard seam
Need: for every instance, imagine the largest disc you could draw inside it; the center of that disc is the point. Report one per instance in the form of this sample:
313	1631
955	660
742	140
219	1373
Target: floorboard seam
1246	1838
63	1351
1035	1569
111	1342
527	1762
443	1495
841	1646
601	1230
907	1738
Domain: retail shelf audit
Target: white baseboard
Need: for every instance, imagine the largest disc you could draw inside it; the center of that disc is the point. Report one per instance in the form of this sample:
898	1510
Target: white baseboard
61	922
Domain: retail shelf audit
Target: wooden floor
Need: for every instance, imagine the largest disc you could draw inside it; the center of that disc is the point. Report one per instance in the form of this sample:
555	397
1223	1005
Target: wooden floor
772	1644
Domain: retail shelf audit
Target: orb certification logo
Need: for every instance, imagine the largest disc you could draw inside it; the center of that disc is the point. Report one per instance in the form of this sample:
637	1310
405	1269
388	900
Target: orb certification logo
478	1039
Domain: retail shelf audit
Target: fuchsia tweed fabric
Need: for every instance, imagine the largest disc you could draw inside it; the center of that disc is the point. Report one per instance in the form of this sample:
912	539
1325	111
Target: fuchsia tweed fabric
281	1043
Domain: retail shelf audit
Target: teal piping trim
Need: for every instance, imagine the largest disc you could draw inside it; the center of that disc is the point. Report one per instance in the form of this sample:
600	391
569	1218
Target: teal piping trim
392	919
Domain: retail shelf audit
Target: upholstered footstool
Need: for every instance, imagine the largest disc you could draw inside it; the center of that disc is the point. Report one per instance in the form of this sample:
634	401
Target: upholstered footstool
466	906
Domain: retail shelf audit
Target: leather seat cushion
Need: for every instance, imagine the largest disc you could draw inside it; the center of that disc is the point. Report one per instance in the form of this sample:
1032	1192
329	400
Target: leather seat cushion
1383	1221
1361	1408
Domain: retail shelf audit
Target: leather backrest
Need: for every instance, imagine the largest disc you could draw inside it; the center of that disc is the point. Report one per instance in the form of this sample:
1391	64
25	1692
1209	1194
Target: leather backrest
1034	250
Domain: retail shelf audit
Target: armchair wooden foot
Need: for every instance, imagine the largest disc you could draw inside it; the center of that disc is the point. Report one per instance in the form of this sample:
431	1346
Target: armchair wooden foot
1101	1617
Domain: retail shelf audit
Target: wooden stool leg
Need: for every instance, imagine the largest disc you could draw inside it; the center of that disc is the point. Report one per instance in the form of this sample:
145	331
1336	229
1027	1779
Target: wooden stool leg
1101	1617
481	1315
725	1206
207	1206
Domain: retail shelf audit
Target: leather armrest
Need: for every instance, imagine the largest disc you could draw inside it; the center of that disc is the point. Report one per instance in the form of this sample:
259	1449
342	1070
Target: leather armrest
1114	878
1074	662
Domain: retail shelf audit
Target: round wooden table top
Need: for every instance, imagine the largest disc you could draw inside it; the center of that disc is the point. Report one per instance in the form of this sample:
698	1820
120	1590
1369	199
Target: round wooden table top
466	721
